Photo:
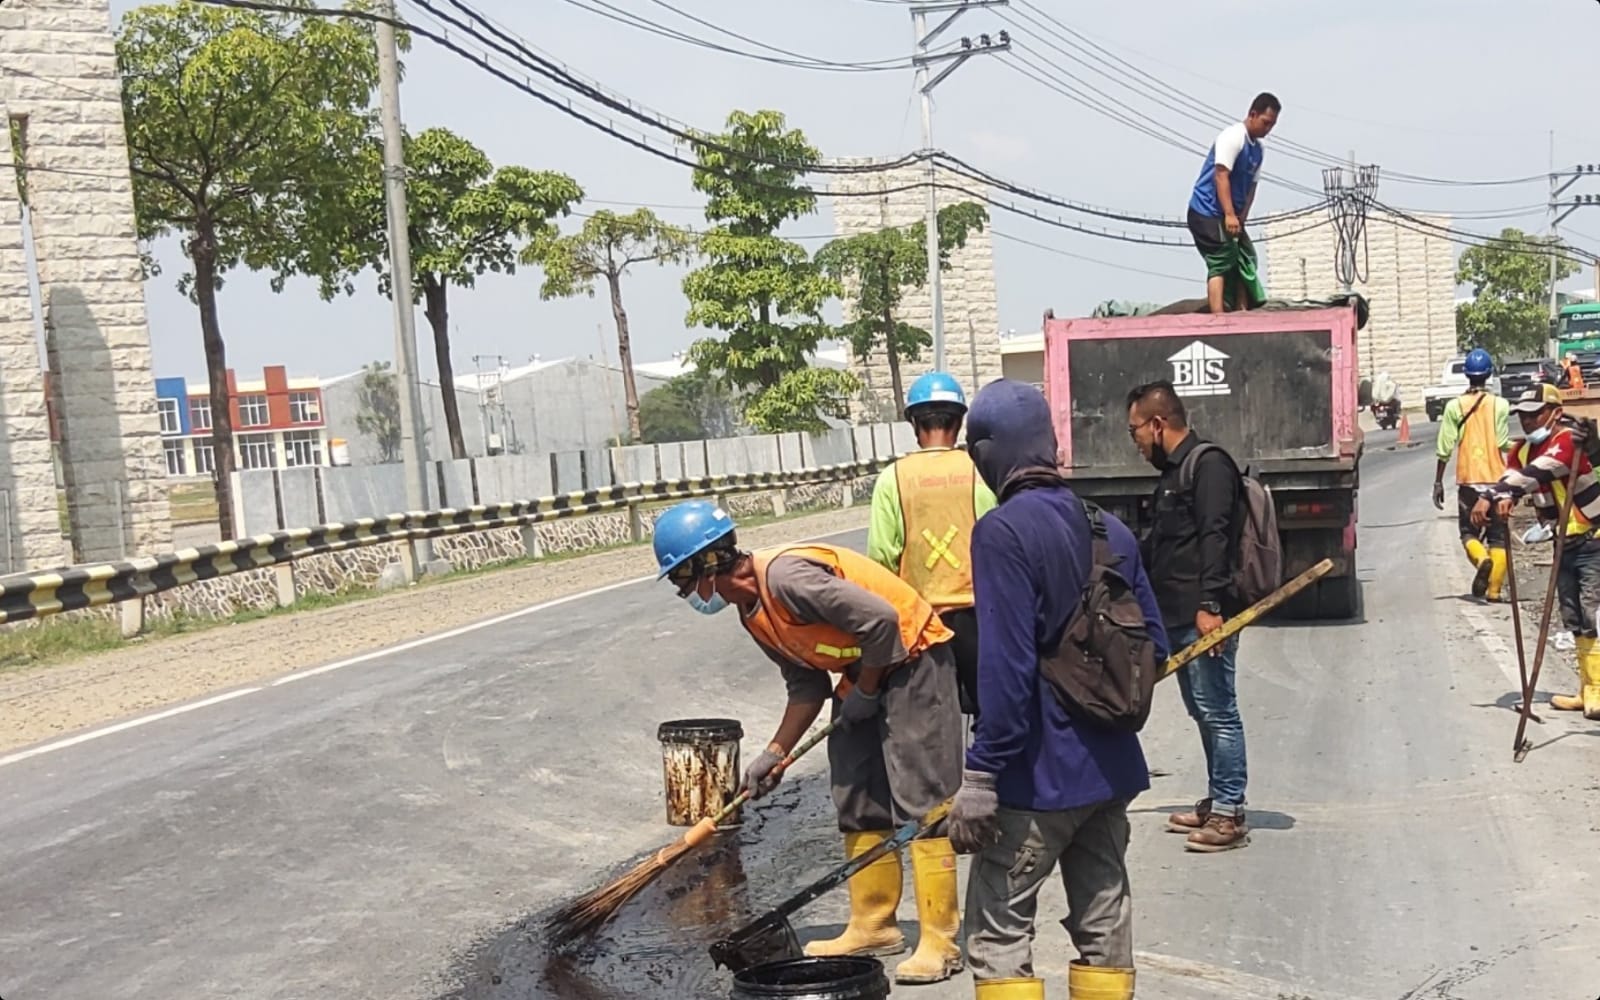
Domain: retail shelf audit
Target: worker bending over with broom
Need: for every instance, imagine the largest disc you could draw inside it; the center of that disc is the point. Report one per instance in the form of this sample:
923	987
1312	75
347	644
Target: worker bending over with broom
923	509
1040	786
821	610
1539	467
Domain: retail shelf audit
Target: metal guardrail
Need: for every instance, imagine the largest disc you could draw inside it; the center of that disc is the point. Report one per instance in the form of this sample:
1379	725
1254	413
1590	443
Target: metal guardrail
35	595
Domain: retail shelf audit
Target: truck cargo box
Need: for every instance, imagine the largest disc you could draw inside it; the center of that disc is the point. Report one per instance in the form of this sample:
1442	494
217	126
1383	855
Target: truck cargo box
1275	387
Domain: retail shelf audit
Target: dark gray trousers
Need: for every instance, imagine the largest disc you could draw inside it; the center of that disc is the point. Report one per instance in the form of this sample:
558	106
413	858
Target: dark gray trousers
1091	845
907	759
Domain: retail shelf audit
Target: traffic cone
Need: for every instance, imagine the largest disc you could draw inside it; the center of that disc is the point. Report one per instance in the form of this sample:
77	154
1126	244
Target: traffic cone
1405	430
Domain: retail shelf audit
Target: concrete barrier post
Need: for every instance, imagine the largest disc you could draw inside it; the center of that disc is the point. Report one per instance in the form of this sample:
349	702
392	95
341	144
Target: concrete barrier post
635	523
131	617
847	493
530	542
283	577
780	504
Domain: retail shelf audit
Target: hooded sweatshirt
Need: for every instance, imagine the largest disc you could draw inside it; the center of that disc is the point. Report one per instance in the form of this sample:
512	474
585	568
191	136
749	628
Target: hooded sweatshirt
1030	561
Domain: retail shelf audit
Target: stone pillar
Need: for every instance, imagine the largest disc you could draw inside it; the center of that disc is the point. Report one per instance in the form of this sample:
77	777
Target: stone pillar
971	313
80	196
30	530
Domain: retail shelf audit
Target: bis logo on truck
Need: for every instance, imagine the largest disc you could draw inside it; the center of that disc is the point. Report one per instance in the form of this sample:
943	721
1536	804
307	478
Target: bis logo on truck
1198	370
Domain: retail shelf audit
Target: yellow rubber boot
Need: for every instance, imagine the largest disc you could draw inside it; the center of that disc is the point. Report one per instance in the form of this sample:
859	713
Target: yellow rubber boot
933	873
1478	555
1497	573
1589	676
873	930
1574	702
1093	982
1009	989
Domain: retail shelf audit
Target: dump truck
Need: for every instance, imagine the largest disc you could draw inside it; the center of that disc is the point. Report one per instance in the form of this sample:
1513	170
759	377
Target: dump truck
1277	387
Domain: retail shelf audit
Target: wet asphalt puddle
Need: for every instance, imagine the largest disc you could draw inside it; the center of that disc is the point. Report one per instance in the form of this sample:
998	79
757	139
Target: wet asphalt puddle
656	947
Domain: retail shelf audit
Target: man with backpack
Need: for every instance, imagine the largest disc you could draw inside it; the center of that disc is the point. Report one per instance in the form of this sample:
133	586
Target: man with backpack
1191	552
1476	428
1045	783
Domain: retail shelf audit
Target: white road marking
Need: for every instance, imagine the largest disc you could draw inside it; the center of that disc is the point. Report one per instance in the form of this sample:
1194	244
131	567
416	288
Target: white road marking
145	720
125	725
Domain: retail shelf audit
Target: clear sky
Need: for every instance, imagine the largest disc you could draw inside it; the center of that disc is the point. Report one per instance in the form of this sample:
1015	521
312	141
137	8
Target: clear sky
1465	89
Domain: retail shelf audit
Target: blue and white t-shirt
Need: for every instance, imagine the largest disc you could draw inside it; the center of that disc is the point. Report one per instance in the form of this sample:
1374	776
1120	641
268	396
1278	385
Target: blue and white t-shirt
1242	155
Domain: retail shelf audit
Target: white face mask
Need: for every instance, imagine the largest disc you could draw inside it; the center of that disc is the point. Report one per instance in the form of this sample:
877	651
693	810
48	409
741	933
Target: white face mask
1539	435
704	606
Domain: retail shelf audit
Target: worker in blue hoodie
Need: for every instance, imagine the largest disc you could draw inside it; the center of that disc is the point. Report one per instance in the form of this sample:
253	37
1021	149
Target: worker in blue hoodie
1038	788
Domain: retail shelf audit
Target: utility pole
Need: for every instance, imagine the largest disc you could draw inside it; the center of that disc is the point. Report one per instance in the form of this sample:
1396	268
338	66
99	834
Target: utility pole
1560	181
1351	191
420	552
924	37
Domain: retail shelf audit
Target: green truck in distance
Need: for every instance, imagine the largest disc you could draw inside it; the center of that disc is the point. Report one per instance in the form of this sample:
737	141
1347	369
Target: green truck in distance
1577	331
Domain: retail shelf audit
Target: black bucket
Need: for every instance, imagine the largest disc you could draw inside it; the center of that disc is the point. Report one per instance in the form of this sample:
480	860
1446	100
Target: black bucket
700	765
813	979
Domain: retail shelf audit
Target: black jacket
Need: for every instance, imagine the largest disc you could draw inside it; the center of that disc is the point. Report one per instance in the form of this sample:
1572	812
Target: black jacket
1189	546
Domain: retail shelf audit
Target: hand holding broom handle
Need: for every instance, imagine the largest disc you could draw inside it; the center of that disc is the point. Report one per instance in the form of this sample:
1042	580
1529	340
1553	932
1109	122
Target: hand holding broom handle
707	828
1248	616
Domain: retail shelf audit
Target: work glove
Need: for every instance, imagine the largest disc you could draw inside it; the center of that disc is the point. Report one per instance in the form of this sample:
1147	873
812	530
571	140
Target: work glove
974	823
858	707
1438	495
759	777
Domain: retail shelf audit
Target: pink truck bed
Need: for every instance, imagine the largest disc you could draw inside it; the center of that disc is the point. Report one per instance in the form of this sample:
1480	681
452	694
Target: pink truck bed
1276	387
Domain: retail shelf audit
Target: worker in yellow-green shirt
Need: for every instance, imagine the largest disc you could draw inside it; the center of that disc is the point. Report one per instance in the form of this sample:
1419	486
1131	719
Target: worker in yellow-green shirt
923	510
1476	429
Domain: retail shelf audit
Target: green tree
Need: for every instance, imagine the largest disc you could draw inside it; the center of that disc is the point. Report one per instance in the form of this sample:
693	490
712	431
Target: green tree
764	292
466	218
880	267
687	408
378	409
1509	315
606	246
241	128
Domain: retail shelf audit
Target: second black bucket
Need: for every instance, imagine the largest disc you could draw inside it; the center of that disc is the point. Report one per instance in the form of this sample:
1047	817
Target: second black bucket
813	979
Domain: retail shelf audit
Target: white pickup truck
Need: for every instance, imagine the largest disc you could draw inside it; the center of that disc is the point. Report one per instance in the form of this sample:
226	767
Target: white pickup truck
1452	383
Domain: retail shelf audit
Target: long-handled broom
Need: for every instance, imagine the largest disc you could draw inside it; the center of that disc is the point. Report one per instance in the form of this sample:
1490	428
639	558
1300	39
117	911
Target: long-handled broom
587	914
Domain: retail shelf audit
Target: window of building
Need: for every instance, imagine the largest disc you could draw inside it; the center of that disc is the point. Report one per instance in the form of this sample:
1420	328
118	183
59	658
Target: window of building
302	448
304	408
253	411
205	462
257	451
168	411
174	452
200	413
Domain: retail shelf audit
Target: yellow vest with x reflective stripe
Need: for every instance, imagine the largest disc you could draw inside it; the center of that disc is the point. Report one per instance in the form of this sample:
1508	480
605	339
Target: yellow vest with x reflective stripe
938	508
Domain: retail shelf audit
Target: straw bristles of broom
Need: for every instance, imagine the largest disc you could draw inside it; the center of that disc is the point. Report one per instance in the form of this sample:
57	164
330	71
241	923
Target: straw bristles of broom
588	913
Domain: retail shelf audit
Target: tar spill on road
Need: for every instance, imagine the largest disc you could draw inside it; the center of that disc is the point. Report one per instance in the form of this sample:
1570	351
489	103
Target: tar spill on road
656	947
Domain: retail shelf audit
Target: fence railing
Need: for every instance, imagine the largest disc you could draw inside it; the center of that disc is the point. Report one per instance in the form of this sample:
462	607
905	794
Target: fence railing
35	595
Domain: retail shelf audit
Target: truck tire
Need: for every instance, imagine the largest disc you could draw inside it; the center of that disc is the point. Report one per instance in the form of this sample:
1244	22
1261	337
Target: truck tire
1339	599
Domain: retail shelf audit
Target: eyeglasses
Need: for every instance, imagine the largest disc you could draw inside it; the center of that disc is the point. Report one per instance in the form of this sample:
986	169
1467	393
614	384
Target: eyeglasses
1133	429
711	563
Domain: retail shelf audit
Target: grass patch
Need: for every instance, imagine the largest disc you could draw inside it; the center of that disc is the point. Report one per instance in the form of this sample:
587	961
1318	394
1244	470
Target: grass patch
53	641
193	502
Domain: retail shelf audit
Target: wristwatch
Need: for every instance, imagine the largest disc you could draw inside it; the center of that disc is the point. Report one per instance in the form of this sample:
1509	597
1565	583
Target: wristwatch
1211	607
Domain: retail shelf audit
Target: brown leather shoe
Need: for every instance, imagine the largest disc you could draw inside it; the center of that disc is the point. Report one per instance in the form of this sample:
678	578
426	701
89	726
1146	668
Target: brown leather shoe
1221	833
1189	822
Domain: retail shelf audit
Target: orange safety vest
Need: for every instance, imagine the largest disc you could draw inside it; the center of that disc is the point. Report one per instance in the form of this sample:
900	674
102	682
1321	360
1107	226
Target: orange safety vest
938	510
1575	377
1577	523
826	647
1478	458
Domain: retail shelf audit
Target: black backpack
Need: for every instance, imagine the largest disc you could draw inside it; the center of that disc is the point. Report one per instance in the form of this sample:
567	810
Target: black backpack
1257	549
1104	672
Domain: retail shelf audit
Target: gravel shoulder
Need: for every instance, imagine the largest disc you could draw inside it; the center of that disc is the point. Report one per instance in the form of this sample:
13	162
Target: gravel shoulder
52	701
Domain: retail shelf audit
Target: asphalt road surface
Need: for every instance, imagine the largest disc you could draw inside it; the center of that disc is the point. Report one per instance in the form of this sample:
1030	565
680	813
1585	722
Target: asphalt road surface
395	827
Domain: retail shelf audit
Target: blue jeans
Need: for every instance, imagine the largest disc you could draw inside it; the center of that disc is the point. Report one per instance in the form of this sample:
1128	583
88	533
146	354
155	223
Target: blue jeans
1578	584
1213	703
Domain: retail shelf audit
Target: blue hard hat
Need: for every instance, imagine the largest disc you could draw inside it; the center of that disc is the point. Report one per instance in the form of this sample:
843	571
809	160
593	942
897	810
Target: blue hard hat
936	387
687	529
1478	363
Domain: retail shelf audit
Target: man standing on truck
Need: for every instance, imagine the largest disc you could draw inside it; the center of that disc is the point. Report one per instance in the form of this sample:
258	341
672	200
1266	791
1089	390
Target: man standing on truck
1189	553
1220	206
923	509
1040	787
1539	468
1476	427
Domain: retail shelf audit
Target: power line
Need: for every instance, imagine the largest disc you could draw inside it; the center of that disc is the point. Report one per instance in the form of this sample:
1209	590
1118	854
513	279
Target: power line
1085	257
896	63
1538	247
642	23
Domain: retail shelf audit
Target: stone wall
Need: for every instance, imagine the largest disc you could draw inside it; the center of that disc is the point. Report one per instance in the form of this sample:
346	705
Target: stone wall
1410	287
59	83
971	314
